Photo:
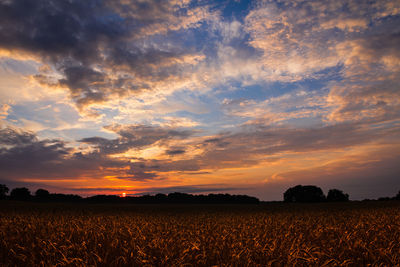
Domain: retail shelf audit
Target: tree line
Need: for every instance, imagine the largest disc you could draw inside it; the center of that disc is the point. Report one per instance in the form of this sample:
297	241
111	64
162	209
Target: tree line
42	195
299	194
313	194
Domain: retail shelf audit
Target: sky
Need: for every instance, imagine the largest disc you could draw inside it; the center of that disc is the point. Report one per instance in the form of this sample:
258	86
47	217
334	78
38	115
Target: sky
240	97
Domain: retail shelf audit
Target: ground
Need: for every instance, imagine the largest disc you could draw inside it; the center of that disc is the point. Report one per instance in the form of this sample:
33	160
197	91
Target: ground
268	234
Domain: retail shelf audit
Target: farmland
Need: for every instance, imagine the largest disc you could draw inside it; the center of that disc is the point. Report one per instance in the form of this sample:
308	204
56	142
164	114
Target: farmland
273	234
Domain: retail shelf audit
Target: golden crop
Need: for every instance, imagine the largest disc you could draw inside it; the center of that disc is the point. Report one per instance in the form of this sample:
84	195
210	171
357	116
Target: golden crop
347	234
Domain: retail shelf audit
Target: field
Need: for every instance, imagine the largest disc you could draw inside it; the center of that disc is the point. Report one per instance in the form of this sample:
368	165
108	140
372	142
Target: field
276	234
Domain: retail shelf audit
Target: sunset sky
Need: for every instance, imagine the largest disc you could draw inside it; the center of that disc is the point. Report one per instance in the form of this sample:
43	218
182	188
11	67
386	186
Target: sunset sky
239	97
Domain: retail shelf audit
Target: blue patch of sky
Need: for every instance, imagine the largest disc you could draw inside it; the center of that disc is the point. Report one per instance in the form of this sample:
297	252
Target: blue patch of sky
78	134
233	10
237	91
204	109
262	91
195	38
24	67
42	112
189	101
109	113
212	122
206	38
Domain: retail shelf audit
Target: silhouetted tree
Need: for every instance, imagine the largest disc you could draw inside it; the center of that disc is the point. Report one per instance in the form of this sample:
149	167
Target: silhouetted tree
335	195
21	193
306	193
397	196
3	191
42	194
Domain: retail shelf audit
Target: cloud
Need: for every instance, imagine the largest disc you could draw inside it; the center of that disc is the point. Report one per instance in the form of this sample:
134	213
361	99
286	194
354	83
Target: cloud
300	38
53	159
21	148
176	122
16	137
136	173
23	156
256	144
101	48
304	41
282	109
173	152
4	111
376	101
135	136
248	146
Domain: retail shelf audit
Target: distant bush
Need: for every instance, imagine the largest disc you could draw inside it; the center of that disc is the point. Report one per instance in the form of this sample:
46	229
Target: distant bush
21	193
306	193
336	195
42	194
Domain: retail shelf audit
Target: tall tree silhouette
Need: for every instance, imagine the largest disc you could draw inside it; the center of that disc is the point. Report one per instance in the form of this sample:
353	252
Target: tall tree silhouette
3	191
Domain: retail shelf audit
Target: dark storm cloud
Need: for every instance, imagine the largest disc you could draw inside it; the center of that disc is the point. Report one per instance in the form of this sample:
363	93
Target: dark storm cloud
147	11
75	36
138	175
23	155
13	137
218	142
84	82
58	29
173	152
135	136
23	150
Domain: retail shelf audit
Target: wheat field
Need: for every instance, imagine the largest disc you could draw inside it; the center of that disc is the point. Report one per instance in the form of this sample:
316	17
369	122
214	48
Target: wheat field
346	234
